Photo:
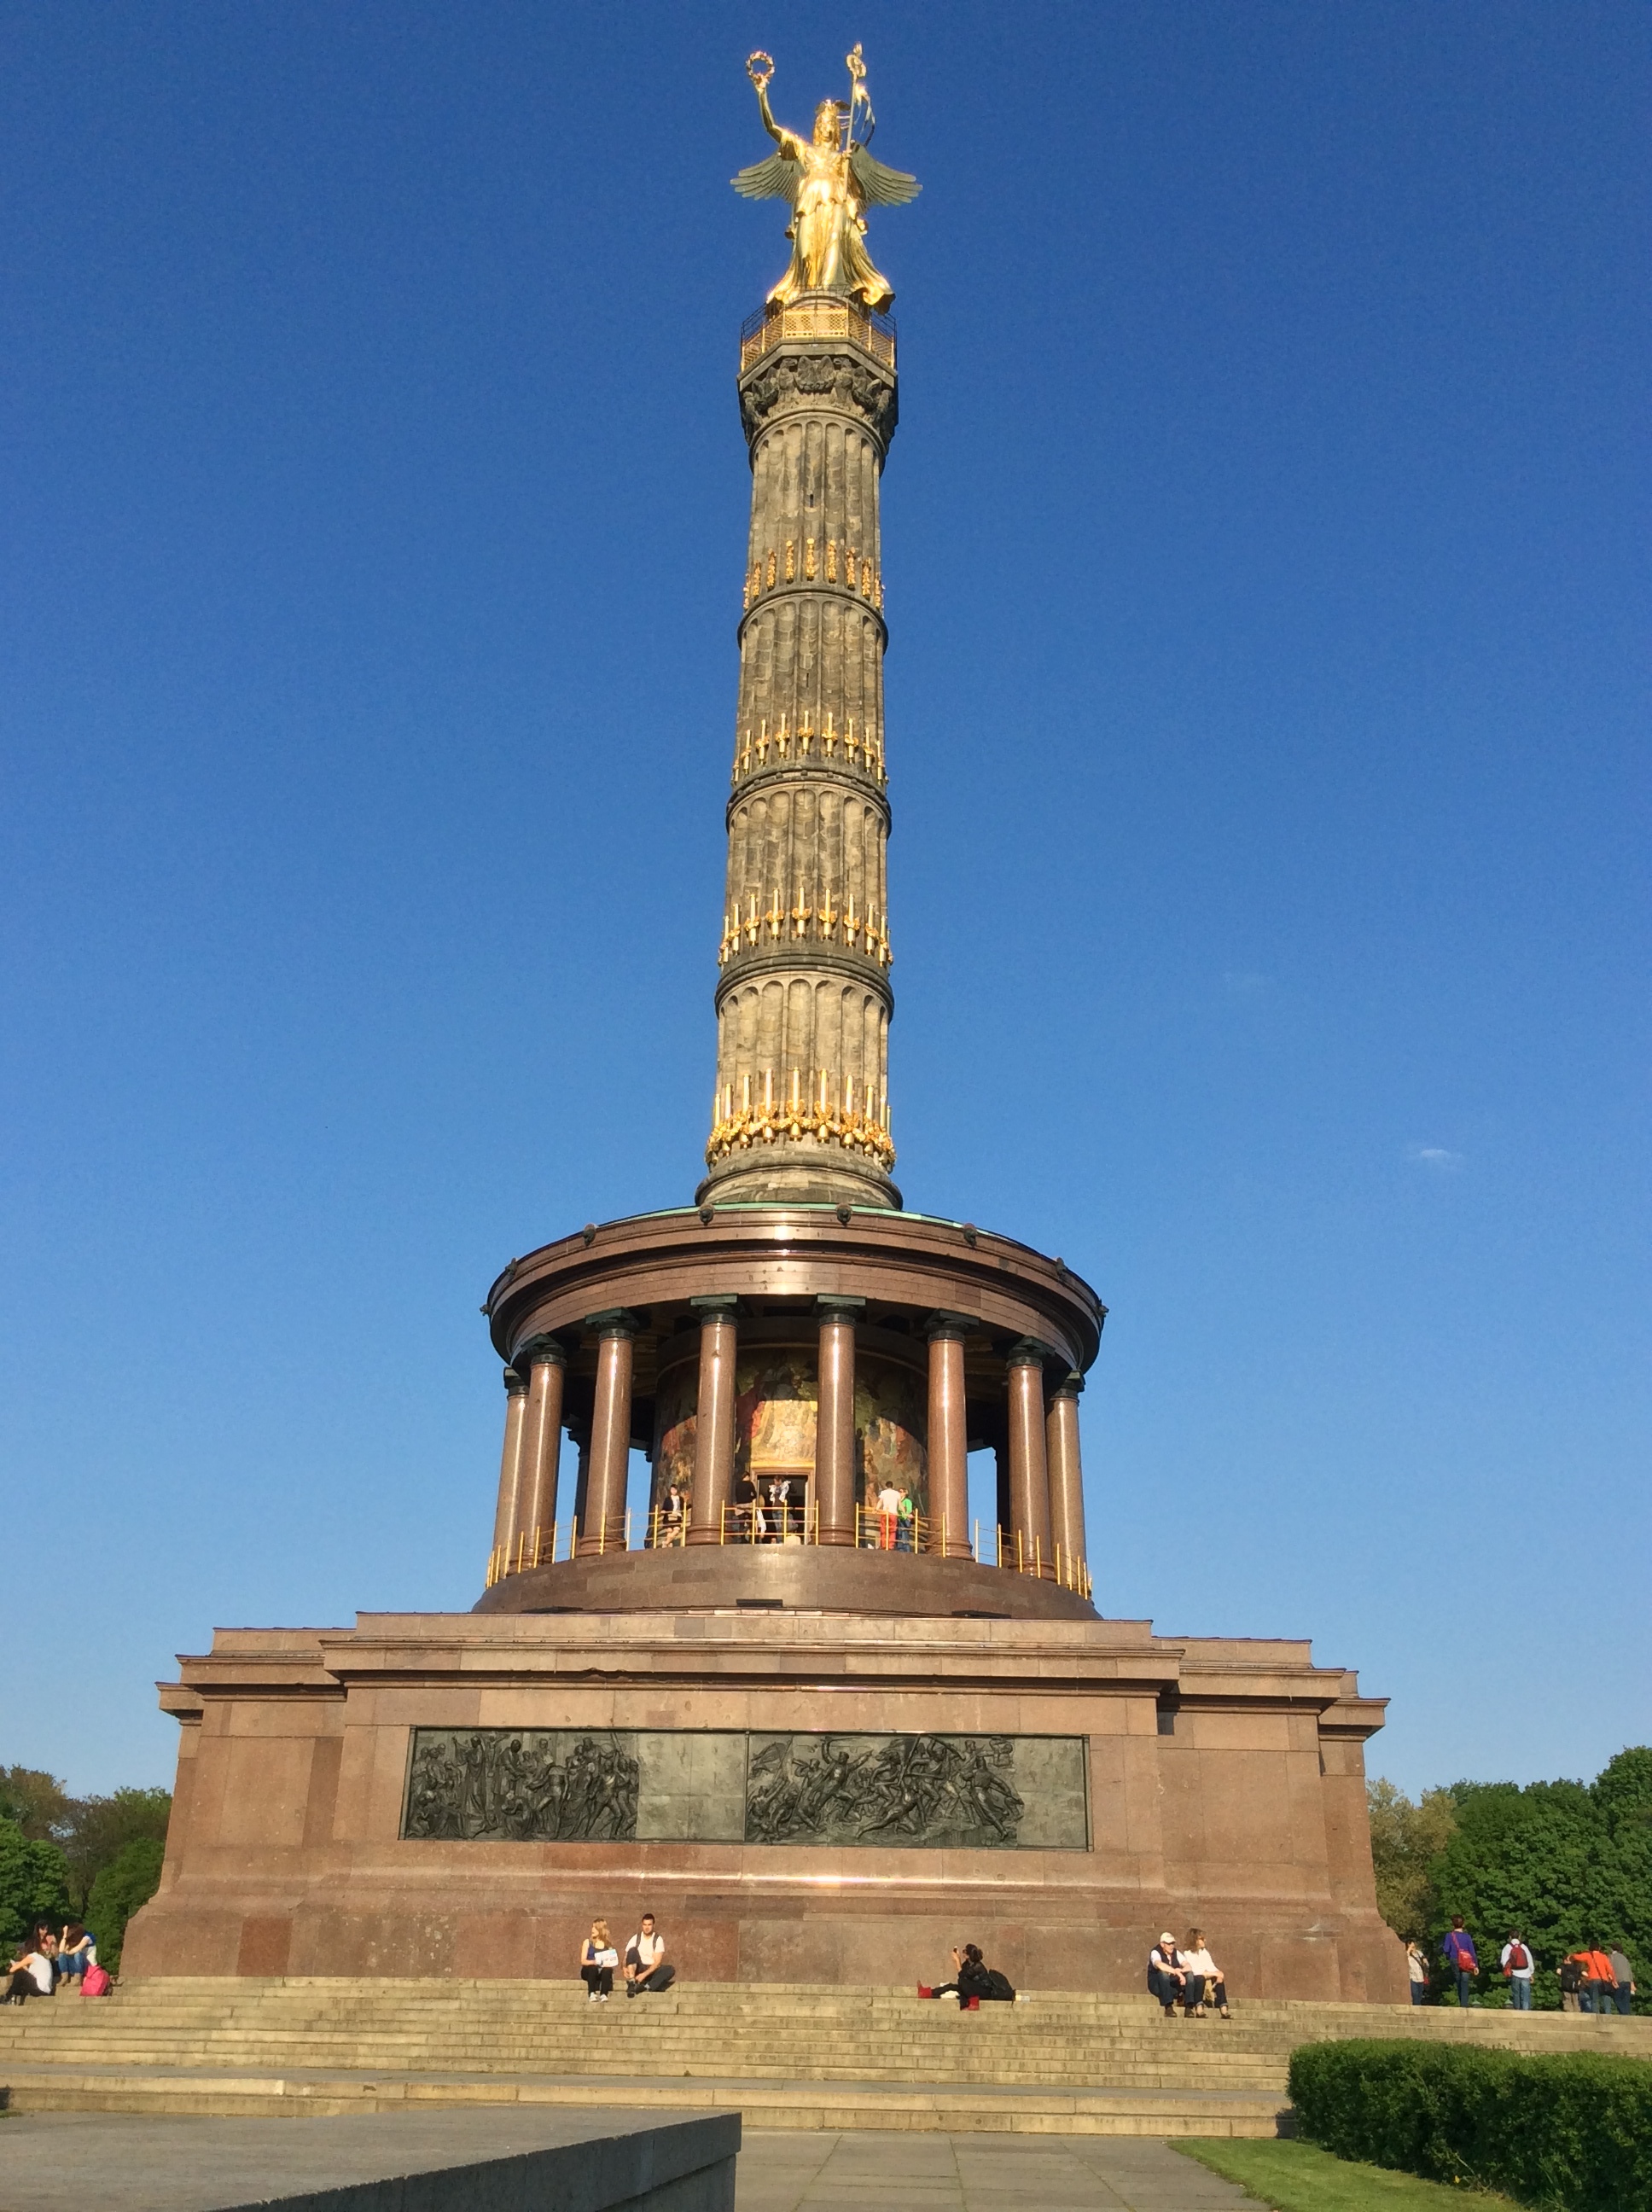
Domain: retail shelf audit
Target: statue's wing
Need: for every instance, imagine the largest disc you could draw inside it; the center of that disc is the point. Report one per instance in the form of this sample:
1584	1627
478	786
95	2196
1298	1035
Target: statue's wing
880	186
776	178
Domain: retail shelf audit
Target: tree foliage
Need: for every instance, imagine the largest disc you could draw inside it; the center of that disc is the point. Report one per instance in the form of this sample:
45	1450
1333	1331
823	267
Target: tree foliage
33	1885
1406	1841
90	1831
130	1880
33	1801
101	1828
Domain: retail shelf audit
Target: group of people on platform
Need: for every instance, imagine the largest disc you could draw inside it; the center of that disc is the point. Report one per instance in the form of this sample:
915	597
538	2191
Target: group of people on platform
769	1512
1187	1975
49	1957
1596	1980
642	1960
775	1512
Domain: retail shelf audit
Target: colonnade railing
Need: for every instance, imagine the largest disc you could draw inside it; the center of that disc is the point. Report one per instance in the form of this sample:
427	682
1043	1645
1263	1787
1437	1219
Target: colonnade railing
769	1523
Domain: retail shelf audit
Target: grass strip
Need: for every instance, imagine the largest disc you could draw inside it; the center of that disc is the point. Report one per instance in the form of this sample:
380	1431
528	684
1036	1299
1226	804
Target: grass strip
1299	2177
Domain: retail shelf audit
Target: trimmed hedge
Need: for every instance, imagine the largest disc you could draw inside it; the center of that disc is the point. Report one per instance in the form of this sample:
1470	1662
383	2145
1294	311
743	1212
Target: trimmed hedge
1573	2130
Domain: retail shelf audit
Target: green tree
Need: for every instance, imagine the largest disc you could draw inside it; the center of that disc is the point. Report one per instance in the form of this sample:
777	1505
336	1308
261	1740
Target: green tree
33	1885
1623	1788
1406	1840
128	1880
35	1802
97	1830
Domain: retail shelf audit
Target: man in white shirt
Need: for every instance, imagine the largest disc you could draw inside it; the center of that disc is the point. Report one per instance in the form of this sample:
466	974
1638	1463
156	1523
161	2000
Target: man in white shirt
644	1959
1517	1963
1166	1977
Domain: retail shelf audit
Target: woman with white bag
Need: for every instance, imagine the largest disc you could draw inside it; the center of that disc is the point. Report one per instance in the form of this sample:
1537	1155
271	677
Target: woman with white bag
598	1959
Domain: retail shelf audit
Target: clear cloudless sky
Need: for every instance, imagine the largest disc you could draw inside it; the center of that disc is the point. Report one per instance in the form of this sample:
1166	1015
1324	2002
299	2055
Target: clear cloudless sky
1266	552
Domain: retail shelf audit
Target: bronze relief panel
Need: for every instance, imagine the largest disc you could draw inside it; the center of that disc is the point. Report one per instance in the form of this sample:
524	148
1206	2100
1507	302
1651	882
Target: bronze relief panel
875	1792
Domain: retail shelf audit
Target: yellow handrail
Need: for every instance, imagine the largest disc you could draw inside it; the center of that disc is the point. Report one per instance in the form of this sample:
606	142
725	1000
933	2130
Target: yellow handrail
874	1530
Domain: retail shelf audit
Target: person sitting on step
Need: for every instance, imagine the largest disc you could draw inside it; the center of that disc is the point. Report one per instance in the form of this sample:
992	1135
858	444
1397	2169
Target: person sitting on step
1166	1977
31	1974
645	1961
598	1959
1205	1981
971	1978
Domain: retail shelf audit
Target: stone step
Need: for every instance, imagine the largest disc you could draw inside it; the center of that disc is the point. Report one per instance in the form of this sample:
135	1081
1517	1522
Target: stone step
1269	2078
851	2104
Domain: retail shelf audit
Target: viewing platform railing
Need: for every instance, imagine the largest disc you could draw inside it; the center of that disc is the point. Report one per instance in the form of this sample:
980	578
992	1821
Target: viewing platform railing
766	1523
820	315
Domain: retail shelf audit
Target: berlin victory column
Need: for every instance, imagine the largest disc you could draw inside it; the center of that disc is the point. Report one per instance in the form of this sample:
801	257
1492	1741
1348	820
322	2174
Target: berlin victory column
803	1705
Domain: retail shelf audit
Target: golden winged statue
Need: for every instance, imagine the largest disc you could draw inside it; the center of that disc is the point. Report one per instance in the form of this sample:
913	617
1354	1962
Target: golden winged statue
829	179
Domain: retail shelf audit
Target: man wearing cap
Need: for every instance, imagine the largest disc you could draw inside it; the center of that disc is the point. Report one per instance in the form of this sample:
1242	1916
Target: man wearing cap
1166	1977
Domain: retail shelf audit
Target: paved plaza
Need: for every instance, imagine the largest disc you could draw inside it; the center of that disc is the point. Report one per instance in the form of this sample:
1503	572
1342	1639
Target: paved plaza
490	2158
781	2172
63	2161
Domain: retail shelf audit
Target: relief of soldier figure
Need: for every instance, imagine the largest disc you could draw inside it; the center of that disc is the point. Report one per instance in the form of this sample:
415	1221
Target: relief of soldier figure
521	1786
929	1789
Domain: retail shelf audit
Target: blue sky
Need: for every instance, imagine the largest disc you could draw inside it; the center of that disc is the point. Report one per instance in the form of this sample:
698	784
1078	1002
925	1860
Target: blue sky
1265	546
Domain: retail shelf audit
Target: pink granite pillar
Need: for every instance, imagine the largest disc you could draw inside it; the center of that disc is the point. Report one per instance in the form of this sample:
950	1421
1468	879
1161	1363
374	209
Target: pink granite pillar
1066	1478
713	1419
948	1441
542	1445
1029	1493
510	1476
603	1529
835	1499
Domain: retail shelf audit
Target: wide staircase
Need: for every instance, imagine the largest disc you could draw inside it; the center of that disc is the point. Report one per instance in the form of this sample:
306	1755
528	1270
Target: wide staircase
1054	2062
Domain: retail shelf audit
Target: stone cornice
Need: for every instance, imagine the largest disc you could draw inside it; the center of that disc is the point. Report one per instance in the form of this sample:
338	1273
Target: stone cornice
805	958
852	779
790	1651
811	589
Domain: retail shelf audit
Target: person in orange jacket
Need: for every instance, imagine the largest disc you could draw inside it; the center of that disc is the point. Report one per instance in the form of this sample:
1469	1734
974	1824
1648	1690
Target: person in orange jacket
1599	1991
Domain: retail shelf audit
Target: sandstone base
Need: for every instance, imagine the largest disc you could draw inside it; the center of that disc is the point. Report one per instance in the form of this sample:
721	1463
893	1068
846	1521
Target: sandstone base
1225	1783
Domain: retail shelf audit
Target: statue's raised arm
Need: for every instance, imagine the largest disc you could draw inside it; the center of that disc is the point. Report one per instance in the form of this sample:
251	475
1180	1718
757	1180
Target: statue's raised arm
779	177
827	179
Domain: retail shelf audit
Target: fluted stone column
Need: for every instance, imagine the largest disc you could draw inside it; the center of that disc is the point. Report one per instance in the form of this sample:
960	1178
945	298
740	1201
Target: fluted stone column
804	1002
603	1525
542	1444
1029	1495
1066	1475
713	1424
835	1499
510	1471
948	1440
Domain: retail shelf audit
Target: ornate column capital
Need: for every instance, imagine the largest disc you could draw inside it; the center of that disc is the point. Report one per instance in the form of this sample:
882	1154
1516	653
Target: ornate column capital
716	1304
1071	1385
803	377
615	1320
832	1305
514	1382
950	1325
1027	1352
537	1351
